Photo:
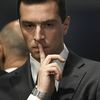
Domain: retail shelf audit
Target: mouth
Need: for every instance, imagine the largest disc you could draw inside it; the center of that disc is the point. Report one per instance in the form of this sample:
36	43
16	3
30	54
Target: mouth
37	49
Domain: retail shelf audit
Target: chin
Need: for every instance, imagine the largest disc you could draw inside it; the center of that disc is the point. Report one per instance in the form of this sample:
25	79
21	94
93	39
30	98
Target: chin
37	56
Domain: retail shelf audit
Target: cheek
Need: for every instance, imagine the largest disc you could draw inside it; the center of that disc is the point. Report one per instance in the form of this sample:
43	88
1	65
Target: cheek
58	36
54	36
28	39
53	41
26	35
50	38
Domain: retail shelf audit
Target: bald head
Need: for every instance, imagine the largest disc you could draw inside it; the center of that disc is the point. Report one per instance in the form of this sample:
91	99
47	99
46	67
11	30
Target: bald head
13	27
12	42
12	38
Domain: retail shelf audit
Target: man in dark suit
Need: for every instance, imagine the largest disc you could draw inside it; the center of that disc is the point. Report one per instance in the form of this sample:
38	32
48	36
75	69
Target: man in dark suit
52	72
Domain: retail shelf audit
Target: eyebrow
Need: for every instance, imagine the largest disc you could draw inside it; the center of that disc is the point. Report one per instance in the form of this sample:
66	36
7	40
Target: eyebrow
47	21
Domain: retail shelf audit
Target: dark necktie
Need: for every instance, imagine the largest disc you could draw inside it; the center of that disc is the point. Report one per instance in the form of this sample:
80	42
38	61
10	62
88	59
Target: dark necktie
54	95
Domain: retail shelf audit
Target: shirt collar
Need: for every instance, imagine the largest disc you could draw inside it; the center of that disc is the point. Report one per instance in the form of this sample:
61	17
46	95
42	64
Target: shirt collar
64	54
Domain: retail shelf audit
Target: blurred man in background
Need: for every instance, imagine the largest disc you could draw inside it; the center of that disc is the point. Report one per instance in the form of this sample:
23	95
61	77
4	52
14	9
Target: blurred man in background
13	50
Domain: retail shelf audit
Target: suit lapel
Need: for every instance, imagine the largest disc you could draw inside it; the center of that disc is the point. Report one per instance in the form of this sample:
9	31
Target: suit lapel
2	72
73	73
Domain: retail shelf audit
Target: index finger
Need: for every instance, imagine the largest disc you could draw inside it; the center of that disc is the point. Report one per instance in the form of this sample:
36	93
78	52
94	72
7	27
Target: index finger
42	53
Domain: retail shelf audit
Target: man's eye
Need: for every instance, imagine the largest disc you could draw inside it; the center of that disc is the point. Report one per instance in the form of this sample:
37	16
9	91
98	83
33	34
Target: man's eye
28	27
49	24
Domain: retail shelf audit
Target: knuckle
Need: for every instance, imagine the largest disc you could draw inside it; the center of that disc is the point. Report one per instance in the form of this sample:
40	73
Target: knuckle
49	56
55	64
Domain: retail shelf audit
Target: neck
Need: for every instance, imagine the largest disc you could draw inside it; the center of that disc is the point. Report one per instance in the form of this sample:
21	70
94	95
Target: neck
12	62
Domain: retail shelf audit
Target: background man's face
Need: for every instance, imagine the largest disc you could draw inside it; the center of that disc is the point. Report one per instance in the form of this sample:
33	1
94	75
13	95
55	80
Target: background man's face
40	23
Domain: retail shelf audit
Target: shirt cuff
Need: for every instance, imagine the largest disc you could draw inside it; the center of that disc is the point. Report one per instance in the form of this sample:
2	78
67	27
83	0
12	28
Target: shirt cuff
32	97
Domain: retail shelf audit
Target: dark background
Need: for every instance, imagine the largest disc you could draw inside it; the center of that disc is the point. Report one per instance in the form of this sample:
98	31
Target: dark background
84	33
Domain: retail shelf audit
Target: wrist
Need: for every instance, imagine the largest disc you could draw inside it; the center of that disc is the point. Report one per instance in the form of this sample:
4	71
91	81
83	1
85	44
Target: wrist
41	95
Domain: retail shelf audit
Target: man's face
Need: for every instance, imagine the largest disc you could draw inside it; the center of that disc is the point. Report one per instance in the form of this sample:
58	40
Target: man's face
40	23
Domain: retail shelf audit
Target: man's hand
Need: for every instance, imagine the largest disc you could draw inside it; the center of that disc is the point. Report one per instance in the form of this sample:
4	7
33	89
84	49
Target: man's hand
48	72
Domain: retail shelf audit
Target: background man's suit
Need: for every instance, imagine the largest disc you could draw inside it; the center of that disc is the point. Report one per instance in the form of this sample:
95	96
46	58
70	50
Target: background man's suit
81	81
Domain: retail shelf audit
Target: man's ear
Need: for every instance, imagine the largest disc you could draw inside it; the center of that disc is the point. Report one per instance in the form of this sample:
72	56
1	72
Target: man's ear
1	50
1	55
66	24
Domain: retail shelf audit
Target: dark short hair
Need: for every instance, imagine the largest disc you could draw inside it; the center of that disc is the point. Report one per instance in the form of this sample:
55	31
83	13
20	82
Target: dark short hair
61	6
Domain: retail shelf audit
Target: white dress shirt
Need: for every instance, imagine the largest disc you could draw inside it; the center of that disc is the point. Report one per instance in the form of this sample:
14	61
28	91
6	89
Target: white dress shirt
35	67
9	70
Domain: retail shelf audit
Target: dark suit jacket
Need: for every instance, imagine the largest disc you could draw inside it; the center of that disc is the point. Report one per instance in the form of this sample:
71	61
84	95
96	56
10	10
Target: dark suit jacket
2	72
80	81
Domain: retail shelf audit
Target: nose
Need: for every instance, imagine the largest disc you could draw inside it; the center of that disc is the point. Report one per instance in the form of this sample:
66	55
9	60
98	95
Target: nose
39	33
